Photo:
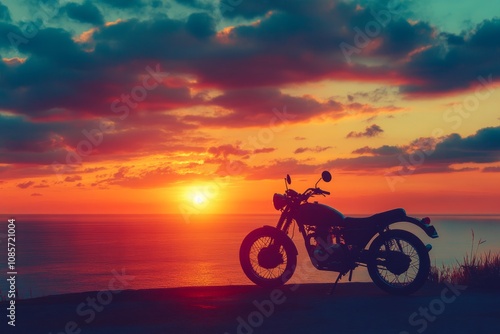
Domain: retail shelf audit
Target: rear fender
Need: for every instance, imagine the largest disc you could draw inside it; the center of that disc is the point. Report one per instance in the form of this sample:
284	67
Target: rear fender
424	224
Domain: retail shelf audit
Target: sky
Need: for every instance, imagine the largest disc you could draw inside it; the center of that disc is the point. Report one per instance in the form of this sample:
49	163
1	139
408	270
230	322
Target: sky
193	107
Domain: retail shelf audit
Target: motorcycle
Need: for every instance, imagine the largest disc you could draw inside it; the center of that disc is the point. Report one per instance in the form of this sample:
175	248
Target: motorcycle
397	261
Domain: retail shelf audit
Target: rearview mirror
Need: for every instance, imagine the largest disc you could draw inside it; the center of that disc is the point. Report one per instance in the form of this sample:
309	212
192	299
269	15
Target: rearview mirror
326	176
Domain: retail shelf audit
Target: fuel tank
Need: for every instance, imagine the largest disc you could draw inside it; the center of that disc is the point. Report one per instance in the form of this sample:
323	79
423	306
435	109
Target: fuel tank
319	215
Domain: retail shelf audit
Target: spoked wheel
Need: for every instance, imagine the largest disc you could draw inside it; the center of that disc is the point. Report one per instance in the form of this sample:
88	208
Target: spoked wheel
268	257
399	262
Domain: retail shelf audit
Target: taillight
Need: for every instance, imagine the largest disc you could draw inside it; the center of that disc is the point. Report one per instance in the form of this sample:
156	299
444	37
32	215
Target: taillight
426	221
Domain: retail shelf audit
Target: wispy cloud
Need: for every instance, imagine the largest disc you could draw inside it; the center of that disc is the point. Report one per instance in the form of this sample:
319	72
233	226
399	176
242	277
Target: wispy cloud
371	131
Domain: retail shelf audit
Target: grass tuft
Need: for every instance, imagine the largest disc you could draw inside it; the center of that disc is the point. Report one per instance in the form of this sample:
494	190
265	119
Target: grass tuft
475	270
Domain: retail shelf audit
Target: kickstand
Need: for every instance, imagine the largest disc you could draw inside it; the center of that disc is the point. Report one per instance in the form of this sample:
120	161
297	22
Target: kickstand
335	284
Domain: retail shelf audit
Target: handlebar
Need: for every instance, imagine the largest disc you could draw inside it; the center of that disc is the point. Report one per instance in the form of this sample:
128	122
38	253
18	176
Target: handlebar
325	192
315	191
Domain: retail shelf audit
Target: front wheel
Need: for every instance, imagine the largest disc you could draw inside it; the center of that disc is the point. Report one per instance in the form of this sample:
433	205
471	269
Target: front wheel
268	257
399	262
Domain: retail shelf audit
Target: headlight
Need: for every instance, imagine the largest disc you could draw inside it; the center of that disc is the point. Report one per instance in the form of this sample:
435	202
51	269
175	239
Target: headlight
279	201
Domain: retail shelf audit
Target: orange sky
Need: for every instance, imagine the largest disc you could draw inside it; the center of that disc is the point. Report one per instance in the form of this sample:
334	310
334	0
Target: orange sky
130	126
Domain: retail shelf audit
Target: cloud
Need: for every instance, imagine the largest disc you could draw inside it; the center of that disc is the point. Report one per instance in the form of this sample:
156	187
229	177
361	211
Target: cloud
371	131
265	107
43	142
149	177
226	150
278	169
292	43
439	69
86	12
4	13
197	4
316	149
125	4
201	25
73	178
482	147
36	194
264	150
386	150
25	185
432	155
381	94
493	169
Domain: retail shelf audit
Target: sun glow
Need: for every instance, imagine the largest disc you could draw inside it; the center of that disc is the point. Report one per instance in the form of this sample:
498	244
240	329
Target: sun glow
199	199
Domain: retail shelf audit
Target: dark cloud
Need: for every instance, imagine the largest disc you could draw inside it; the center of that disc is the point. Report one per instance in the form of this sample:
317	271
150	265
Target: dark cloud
25	185
266	107
4	13
385	150
198	4
425	155
493	169
447	66
264	150
297	42
65	78
152	177
253	9
35	142
482	147
371	131
316	149
381	94
226	150
201	25
124	4
86	12
73	178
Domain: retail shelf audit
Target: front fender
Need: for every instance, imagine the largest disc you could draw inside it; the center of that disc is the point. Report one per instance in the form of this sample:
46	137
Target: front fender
273	230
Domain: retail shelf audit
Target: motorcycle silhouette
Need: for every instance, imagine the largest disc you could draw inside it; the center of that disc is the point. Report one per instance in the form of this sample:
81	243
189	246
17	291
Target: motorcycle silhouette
397	260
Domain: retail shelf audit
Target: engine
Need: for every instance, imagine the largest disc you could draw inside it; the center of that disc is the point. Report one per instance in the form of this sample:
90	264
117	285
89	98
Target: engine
326	254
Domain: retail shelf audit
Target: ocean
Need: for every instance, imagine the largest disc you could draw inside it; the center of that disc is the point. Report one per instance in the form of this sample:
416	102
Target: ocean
57	254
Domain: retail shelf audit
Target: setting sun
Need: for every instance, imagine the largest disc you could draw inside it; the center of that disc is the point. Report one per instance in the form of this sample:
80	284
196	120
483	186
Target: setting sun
199	199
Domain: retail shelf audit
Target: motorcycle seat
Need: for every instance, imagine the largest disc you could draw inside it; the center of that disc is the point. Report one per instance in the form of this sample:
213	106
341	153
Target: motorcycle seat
391	215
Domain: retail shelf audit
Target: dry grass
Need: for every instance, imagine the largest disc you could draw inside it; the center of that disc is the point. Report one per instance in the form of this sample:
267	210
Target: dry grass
475	270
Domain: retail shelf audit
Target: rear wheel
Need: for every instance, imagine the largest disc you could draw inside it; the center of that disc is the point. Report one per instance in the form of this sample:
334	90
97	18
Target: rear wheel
268	257
399	262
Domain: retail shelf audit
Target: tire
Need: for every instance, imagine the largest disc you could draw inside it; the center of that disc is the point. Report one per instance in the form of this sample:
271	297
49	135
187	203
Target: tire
268	267
394	272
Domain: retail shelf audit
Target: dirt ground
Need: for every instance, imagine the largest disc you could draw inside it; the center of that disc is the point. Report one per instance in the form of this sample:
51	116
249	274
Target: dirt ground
306	308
